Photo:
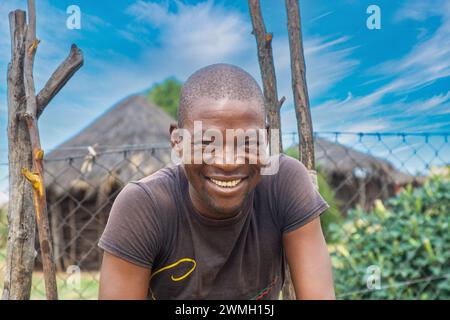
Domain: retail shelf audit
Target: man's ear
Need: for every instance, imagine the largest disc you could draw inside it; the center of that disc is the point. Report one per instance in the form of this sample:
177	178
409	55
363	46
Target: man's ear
173	126
173	136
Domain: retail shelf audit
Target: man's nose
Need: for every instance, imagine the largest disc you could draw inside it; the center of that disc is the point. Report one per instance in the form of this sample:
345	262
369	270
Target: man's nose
226	167
226	160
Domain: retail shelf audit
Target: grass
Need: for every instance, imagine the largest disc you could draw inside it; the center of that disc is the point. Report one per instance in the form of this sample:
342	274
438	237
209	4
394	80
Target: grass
70	286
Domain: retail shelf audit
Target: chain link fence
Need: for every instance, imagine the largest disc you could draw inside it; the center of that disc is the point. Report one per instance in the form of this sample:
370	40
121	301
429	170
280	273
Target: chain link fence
82	183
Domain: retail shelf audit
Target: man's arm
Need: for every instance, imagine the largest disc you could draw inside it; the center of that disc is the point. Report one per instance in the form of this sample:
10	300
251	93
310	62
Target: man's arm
309	262
120	279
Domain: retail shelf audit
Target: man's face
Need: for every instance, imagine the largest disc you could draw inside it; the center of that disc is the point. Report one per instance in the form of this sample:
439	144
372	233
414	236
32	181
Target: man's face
219	187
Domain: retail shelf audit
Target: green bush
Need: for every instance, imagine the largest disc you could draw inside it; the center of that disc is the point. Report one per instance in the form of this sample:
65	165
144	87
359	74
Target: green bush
292	151
408	240
166	95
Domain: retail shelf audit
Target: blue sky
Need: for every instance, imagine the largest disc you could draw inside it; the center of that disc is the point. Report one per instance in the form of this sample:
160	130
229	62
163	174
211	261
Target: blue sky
395	79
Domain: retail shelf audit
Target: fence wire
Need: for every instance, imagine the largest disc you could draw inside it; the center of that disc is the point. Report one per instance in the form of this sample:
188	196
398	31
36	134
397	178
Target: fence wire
82	183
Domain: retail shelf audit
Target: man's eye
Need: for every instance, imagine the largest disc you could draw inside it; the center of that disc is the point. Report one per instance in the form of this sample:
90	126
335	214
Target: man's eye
247	143
203	143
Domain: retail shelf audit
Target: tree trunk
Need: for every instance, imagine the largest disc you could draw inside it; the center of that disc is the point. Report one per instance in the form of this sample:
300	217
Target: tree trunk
21	221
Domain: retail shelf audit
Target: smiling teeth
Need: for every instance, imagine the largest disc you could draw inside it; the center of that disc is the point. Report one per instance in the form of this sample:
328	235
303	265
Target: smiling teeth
226	184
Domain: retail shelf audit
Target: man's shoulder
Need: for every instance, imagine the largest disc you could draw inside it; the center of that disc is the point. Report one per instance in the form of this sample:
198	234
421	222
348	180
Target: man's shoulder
161	186
167	176
284	167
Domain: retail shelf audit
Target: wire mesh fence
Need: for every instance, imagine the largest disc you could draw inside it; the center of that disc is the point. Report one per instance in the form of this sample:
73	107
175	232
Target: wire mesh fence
82	183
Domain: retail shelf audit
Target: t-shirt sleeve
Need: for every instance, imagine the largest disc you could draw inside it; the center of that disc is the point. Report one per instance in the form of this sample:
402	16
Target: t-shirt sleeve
132	231
298	200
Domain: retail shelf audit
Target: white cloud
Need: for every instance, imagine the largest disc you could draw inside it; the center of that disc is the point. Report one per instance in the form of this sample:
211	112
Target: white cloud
429	59
198	34
55	40
321	16
426	62
419	10
369	114
327	63
150	12
438	104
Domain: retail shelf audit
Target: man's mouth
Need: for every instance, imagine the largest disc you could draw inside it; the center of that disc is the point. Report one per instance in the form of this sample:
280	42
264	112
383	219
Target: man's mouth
226	184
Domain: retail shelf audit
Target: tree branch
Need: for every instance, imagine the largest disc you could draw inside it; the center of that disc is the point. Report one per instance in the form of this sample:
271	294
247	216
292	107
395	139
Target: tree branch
266	65
280	103
59	78
31	46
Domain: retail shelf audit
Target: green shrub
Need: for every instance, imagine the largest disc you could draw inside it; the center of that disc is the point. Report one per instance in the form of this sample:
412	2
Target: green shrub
292	152
409	239
166	95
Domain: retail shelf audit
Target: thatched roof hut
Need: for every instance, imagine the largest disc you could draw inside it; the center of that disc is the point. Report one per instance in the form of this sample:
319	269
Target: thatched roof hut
84	174
357	177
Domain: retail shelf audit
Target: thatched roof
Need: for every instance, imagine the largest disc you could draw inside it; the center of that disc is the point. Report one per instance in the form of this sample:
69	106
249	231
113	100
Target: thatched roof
134	122
335	157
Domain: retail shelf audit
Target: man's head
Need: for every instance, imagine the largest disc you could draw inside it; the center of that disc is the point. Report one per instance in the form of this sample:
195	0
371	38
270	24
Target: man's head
221	97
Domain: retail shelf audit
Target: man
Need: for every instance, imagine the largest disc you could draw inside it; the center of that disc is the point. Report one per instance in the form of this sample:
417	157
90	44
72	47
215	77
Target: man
217	229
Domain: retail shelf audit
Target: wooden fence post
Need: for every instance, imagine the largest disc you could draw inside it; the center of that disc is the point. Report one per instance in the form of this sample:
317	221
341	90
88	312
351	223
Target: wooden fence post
267	67
24	109
300	90
273	105
21	222
301	100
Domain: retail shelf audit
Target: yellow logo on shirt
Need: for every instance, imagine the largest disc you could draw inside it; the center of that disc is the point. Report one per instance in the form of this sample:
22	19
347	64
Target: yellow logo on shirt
173	265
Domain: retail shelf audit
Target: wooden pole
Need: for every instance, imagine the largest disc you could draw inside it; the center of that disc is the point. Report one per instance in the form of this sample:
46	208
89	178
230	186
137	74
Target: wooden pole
273	105
57	235
299	87
301	100
21	222
267	67
24	111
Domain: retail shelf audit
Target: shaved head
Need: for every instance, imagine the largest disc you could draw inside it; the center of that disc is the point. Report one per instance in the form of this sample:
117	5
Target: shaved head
219	81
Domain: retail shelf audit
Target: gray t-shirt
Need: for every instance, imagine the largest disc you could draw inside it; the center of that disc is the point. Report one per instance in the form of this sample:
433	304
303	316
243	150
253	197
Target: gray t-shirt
154	224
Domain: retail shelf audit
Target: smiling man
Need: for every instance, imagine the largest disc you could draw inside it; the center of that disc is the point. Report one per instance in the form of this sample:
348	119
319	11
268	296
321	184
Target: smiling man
217	228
